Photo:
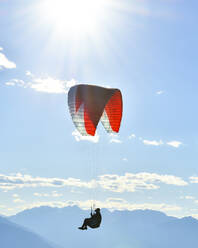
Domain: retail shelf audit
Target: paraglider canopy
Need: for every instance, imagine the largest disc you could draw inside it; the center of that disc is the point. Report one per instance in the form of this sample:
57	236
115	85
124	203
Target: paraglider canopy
88	104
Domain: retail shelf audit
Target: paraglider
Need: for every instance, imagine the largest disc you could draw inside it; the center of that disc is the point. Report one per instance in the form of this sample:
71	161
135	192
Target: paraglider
89	104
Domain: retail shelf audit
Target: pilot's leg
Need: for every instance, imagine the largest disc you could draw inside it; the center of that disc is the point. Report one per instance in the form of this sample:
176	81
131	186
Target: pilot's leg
85	224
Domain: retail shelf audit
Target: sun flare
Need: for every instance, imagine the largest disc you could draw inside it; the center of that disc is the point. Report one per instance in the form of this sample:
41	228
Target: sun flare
78	16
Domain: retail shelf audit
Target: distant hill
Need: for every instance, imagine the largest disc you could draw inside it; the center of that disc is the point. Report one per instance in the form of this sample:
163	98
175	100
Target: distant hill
15	236
128	229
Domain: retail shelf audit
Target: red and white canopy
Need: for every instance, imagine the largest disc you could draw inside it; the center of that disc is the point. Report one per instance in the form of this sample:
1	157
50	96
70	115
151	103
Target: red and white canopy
88	104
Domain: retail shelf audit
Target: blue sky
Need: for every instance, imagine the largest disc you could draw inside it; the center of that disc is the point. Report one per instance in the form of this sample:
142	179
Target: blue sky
147	49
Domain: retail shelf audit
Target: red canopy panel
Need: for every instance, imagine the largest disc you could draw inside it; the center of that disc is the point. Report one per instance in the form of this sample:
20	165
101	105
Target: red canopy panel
89	103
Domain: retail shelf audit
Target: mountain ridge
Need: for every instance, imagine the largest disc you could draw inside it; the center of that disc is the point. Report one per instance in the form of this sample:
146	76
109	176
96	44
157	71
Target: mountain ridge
138	228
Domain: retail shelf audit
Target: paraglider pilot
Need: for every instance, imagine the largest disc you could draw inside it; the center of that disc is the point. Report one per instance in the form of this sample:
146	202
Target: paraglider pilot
94	221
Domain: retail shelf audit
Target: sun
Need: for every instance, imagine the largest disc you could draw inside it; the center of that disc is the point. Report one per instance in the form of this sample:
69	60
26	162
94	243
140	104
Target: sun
73	16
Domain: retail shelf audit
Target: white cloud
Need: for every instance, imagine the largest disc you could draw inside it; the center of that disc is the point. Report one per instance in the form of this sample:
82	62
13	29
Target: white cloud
16	82
160	92
41	194
20	181
121	204
128	182
193	179
55	194
114	138
132	136
78	137
167	179
4	62
194	216
43	84
17	200
196	201
58	204
174	143
28	73
140	181
187	197
71	83
49	85
153	142
10	83
15	195
52	194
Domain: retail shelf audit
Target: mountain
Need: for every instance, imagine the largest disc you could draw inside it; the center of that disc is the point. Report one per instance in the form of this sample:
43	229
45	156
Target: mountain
139	228
15	236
